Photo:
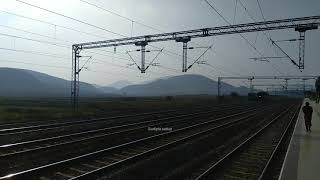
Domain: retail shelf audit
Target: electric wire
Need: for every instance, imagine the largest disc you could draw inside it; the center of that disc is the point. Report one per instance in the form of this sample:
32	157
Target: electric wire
248	42
72	29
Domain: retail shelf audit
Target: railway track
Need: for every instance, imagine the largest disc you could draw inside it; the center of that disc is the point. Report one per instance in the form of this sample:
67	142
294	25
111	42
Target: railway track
33	125
120	152
12	149
83	125
19	139
179	160
253	158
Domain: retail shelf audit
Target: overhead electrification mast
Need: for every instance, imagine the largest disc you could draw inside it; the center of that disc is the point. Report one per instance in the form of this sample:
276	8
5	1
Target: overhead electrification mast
299	24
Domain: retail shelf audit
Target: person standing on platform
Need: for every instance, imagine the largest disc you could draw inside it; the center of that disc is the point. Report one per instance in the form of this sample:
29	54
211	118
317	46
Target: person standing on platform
317	90
307	110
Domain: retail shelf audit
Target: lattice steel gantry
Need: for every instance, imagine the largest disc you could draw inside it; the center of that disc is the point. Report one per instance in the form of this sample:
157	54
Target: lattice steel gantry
302	33
300	24
251	78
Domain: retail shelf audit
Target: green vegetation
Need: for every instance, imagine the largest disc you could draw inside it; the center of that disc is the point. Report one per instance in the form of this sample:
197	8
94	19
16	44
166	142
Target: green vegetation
34	109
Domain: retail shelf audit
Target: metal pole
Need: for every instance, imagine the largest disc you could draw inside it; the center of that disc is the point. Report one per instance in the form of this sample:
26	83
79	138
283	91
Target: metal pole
143	58
251	86
185	41
219	86
75	77
143	45
301	49
184	58
286	86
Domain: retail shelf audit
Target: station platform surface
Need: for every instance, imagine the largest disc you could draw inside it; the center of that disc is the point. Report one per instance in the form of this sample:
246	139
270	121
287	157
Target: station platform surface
302	160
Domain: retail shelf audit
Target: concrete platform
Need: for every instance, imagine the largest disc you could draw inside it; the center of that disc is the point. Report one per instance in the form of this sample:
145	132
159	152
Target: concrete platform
302	160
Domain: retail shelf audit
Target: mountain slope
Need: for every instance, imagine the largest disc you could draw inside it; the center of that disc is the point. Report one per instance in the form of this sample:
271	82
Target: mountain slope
120	84
20	82
180	85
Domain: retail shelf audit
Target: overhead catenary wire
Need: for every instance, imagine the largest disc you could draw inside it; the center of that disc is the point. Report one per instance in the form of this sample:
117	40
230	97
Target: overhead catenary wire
247	41
73	29
71	18
267	34
52	24
49	37
35	53
200	56
133	60
47	54
34	64
74	19
41	53
119	15
154	58
171	53
131	20
80	21
55	56
35	40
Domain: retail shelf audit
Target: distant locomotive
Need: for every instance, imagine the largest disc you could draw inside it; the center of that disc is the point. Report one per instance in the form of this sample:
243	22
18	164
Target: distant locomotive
260	96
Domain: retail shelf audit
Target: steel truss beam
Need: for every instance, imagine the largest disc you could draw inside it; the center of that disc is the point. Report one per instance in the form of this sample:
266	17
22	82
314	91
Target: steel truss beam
307	23
311	21
251	78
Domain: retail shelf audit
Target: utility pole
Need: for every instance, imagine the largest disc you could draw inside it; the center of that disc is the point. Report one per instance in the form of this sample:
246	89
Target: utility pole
302	33
184	41
219	87
286	86
251	86
143	45
75	77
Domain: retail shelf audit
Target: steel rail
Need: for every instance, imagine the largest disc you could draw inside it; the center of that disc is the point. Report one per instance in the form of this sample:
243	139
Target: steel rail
52	128
56	125
108	168
277	146
128	144
145	123
252	137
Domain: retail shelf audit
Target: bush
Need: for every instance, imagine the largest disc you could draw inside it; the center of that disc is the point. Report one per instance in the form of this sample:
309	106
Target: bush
234	94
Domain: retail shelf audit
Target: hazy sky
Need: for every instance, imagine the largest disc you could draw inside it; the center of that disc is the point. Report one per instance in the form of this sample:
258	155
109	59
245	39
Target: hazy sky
229	56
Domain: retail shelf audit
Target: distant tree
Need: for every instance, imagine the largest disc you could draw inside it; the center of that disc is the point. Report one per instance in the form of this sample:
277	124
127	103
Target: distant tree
234	94
169	98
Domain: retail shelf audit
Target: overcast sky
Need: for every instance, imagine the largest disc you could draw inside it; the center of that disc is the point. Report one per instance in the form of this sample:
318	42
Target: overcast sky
229	55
